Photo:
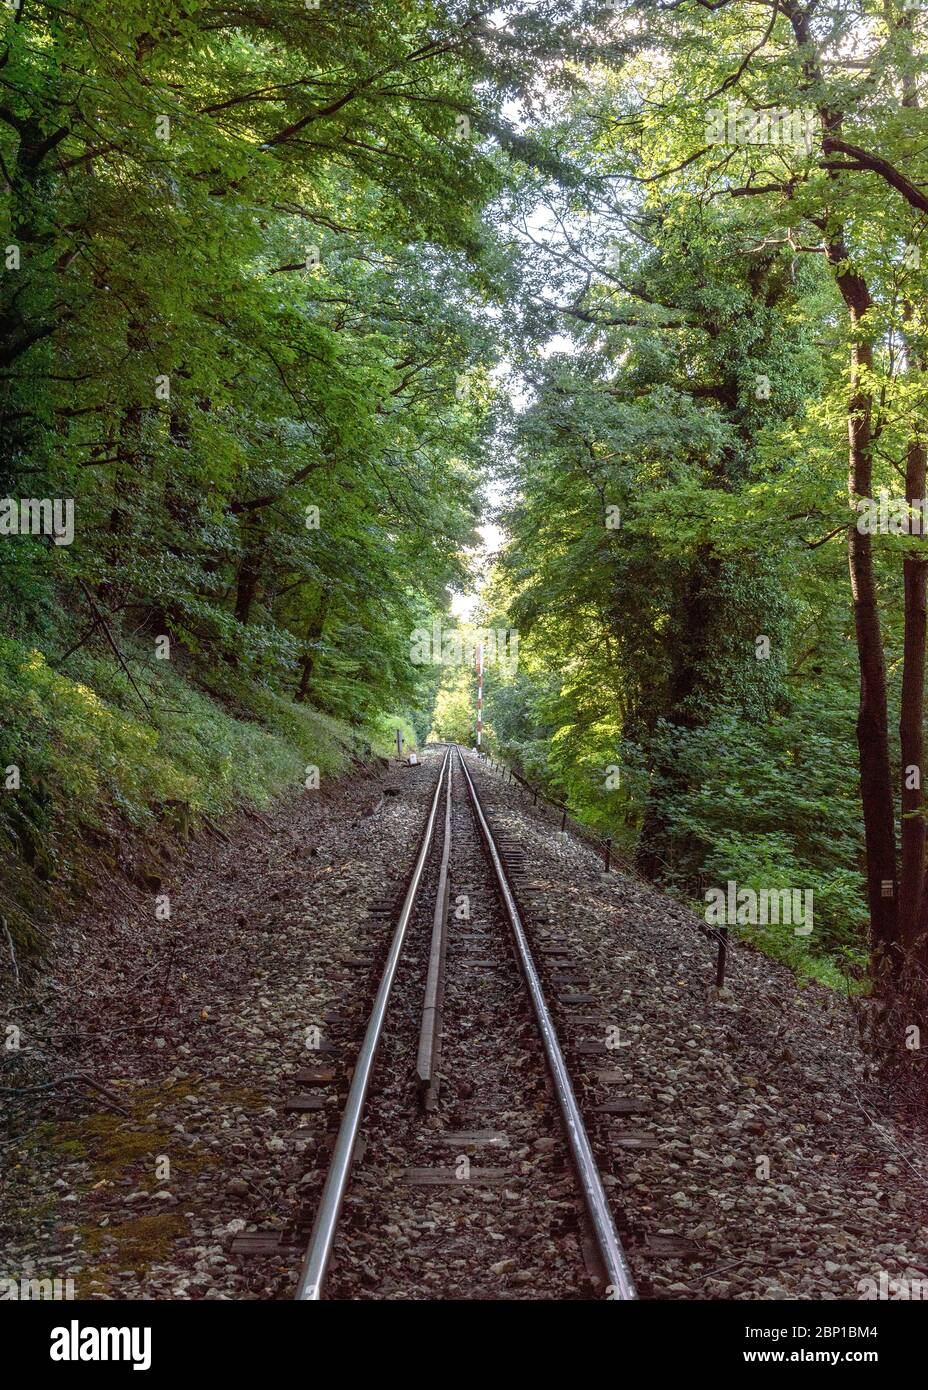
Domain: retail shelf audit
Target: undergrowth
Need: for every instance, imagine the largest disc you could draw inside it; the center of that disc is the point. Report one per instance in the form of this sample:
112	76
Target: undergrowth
77	745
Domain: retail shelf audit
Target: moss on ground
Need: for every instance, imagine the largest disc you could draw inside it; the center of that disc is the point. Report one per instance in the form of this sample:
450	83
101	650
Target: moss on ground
124	1146
141	1241
117	1145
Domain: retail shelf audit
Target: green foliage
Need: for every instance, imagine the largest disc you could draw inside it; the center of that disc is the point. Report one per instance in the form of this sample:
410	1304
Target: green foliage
246	335
382	734
454	714
259	347
90	744
674	490
87	750
775	807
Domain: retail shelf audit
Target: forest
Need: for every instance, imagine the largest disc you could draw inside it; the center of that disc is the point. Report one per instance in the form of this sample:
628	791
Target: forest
299	300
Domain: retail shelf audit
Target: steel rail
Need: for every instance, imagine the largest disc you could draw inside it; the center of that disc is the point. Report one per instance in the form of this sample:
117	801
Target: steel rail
319	1250
620	1284
430	1028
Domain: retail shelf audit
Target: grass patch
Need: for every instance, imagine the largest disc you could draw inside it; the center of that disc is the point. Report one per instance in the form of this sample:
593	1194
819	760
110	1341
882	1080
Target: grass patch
77	747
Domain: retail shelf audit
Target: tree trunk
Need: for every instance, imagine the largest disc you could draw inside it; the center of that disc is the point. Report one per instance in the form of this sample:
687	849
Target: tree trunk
913	897
313	635
876	789
249	572
911	716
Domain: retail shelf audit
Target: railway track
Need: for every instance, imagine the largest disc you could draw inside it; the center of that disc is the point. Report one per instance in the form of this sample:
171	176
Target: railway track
475	1176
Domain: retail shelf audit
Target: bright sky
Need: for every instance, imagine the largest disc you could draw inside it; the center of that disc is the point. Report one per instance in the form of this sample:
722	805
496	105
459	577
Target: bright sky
491	537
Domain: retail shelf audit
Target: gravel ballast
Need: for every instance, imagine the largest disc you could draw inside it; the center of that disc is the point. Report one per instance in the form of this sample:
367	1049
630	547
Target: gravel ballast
773	1151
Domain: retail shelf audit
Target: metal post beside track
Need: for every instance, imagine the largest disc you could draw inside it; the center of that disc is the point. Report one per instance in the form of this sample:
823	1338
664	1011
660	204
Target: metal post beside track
721	958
